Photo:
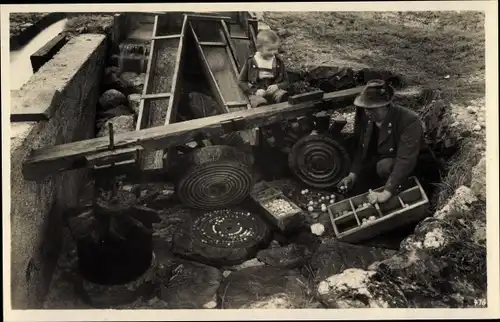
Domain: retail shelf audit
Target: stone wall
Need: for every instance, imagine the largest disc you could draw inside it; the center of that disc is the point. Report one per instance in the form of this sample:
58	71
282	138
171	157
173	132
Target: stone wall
36	207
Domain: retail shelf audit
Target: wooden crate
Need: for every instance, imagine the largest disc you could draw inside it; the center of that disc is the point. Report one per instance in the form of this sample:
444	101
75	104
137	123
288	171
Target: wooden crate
262	194
409	206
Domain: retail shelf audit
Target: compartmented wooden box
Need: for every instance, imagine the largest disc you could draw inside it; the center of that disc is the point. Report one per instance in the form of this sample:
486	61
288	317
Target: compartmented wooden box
355	220
268	198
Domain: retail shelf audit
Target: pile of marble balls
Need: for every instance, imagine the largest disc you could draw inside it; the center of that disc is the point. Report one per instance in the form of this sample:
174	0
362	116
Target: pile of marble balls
280	207
365	220
317	202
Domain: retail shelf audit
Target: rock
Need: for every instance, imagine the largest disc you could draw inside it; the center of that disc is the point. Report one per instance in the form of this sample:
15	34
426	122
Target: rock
112	98
134	81
160	194
478	182
471	110
429	234
331	78
112	81
461	200
477	128
282	32
202	105
120	110
226	273
290	256
254	262
357	288
466	133
210	305
332	257
172	219
191	286
318	229
134	101
265	287
121	124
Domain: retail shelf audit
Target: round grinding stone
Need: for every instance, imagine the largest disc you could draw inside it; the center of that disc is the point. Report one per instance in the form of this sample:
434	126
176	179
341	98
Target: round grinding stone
319	161
215	177
222	237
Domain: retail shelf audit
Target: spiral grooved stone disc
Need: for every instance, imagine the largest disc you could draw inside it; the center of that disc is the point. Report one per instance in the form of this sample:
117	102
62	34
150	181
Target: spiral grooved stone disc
319	161
222	237
216	177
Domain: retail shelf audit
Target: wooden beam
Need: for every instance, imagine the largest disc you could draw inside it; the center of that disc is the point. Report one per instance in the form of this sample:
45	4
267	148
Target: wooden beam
155	96
213	43
41	106
166	37
49	160
207	17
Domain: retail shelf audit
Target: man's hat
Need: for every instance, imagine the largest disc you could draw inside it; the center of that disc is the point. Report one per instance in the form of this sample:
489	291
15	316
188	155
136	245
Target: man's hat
377	93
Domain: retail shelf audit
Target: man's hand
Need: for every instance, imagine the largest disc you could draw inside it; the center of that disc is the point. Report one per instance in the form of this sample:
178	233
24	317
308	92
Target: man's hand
260	92
378	197
347	183
272	88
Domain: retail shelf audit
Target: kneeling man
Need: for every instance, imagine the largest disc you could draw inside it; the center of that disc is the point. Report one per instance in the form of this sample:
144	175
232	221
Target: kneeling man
390	138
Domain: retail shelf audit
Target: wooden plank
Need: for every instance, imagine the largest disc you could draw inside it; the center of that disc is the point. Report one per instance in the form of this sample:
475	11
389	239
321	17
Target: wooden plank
112	156
171	114
231	48
207	17
160	107
144	115
156	96
166	37
42	105
49	160
240	37
310	96
206	68
44	54
212	43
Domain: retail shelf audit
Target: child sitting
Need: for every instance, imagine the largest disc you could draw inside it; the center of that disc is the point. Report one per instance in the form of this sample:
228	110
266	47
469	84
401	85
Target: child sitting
263	77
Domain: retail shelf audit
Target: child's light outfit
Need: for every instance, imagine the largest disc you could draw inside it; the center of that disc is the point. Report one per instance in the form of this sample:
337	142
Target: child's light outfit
259	73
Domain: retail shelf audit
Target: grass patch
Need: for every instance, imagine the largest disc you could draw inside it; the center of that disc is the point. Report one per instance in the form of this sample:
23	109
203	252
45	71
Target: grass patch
437	49
459	171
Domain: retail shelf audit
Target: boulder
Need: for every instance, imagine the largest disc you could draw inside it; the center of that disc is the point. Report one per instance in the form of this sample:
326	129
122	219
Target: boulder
134	81
191	286
478	182
357	288
265	287
121	124
254	262
105	115
134	101
460	201
332	257
111	99
202	105
290	256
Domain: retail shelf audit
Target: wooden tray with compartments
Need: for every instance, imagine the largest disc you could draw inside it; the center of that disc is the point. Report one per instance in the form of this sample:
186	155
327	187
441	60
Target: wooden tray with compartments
349	217
263	194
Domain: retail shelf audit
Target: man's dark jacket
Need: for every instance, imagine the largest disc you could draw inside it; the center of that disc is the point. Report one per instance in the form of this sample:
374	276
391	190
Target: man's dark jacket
400	137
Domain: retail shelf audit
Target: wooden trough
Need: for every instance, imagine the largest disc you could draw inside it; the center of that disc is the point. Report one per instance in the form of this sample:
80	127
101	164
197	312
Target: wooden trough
348	216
